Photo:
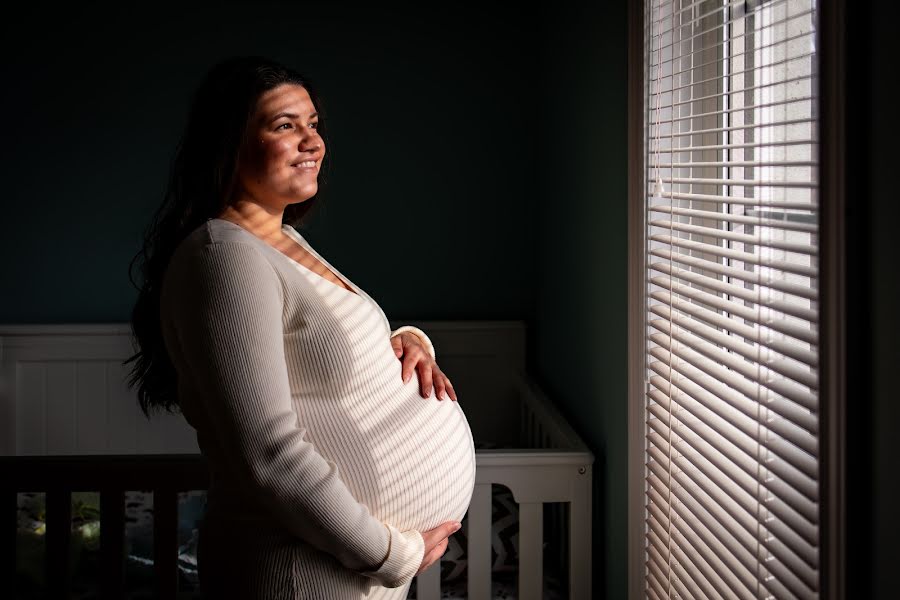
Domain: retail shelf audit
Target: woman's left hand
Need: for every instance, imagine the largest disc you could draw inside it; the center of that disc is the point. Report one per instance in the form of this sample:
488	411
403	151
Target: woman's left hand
415	356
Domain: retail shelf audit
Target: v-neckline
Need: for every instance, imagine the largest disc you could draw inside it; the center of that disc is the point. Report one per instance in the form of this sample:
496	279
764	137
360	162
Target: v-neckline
295	235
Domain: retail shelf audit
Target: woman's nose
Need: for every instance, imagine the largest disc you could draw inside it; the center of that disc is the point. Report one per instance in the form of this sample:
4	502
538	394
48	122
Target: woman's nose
310	145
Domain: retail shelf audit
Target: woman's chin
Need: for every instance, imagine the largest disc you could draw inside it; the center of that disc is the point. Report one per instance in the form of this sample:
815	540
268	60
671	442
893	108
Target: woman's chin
304	194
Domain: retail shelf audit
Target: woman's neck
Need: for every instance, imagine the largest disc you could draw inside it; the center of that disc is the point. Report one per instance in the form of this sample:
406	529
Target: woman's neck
255	219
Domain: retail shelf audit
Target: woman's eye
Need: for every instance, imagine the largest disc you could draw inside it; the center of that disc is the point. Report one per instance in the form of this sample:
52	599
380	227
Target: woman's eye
314	125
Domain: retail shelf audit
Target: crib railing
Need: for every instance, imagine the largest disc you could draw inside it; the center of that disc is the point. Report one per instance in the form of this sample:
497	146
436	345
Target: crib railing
112	476
552	466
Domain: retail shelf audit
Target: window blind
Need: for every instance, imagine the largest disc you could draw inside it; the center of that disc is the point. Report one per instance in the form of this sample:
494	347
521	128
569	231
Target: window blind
731	429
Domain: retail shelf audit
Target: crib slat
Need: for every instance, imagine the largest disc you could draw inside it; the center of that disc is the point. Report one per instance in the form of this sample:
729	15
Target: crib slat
531	552
560	534
165	542
580	537
59	540
478	531
428	583
10	512
112	544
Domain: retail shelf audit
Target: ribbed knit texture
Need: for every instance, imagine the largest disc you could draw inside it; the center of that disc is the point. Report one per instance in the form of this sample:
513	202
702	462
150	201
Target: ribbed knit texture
325	465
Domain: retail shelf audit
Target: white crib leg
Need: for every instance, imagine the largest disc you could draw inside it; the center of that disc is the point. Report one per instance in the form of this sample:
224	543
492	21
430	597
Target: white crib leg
580	538
479	550
428	582
531	551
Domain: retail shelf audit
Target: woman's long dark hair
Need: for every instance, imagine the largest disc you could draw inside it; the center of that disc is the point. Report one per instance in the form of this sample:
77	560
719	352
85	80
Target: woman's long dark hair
201	183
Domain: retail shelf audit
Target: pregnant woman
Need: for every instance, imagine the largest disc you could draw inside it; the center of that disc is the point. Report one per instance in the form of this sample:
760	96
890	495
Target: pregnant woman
340	460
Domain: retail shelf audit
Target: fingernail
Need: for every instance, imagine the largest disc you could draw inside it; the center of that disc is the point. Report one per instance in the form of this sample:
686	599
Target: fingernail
406	378
457	526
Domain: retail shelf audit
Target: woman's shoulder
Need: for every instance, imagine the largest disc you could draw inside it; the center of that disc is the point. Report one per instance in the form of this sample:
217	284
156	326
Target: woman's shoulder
218	236
214	272
219	231
214	248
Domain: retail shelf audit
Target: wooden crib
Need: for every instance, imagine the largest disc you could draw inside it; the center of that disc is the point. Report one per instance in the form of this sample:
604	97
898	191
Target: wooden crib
70	423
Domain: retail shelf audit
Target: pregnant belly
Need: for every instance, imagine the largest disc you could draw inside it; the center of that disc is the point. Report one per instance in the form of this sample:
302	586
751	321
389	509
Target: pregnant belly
410	460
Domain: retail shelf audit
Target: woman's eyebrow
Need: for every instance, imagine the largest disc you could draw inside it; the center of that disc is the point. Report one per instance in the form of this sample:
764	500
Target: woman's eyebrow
290	115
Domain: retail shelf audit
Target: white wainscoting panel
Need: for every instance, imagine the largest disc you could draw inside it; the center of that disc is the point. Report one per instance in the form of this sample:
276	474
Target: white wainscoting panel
64	391
63	388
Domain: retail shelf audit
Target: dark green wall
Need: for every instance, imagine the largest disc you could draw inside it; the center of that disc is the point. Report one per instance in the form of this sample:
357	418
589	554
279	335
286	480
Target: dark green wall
433	137
884	289
580	333
873	323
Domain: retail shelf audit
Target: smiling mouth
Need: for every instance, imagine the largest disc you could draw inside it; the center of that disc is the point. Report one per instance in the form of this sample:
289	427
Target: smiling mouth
306	164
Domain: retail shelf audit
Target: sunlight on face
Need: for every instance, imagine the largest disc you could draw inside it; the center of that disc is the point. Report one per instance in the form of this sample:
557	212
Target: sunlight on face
282	151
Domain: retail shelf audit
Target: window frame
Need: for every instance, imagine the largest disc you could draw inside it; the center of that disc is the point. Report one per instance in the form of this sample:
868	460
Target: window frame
831	50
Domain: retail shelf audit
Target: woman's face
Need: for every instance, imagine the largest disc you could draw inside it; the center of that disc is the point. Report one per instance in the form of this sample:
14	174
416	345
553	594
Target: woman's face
282	137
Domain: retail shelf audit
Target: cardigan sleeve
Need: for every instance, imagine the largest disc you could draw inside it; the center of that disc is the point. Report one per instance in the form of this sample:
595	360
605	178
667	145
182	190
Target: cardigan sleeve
418	333
226	311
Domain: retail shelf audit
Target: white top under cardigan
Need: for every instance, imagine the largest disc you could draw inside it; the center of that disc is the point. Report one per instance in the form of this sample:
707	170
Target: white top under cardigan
296	395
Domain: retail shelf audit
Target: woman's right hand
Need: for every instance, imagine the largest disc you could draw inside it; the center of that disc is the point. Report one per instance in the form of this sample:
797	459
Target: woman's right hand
436	541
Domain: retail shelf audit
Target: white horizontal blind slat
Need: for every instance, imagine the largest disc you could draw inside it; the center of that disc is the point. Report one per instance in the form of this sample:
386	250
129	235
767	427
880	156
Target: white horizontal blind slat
722	95
783	397
792	489
737	201
732	299
726	111
736	528
699	325
792	573
705	572
677	324
680	579
658	566
731	488
796	310
782	163
734	548
716	79
787	221
745	239
780	41
791	468
698	578
738	127
798	330
656	569
699	381
754	277
736	255
717	28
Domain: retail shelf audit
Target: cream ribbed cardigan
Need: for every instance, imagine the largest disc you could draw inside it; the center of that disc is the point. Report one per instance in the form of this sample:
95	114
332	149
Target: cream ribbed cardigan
325	466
